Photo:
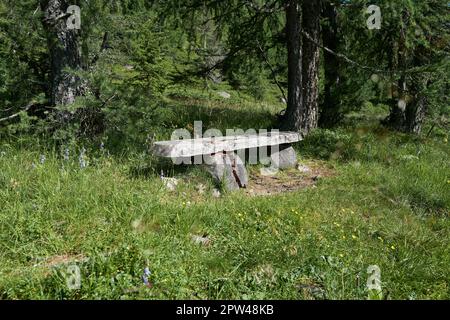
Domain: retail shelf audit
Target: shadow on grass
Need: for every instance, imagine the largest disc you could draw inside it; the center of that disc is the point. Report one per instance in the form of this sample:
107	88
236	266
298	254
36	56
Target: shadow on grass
155	167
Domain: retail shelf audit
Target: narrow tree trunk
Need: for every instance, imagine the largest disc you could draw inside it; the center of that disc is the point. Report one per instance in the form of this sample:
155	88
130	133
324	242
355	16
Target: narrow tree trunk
409	106
416	110
415	115
406	114
310	65
65	52
329	114
397	115
292	119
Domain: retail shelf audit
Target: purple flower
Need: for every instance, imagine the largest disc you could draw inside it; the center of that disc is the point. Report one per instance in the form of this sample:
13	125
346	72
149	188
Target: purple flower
145	276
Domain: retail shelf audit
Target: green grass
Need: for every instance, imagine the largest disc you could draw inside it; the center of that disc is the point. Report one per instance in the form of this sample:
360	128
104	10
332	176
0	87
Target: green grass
387	205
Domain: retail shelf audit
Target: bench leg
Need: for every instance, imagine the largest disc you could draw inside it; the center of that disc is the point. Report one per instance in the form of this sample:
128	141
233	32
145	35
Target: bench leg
284	158
229	169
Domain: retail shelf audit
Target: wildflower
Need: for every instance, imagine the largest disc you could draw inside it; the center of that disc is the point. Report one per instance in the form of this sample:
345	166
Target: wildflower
145	276
341	255
381	239
66	154
201	188
393	247
102	146
82	159
354	237
344	237
42	159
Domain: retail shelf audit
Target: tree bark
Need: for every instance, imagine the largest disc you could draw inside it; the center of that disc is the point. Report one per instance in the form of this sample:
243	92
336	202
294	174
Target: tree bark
329	114
416	110
409	105
310	65
65	52
292	119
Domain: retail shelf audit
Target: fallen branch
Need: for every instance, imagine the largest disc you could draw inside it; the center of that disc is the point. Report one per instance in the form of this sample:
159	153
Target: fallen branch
18	113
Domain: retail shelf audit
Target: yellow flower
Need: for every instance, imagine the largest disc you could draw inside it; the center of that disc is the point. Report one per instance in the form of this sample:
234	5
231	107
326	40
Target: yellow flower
344	237
381	239
393	247
341	255
354	237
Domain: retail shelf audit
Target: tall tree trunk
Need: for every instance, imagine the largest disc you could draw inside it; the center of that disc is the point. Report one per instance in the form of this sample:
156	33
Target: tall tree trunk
409	104
65	52
292	119
397	116
310	65
416	110
329	114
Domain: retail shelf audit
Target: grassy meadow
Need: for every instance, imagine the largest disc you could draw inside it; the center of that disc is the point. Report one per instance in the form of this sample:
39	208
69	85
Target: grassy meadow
385	202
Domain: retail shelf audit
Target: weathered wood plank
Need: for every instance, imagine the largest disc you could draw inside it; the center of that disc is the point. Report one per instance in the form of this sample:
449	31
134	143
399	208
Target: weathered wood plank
204	146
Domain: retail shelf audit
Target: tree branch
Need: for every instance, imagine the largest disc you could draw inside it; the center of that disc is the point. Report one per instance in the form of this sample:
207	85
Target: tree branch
103	47
27	107
272	70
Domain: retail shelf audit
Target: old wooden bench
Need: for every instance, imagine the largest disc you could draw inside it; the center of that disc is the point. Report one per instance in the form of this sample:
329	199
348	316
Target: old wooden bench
223	156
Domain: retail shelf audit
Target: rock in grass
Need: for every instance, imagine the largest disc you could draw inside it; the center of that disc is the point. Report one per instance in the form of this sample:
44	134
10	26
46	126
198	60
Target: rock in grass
205	241
170	183
216	193
228	169
312	290
224	94
285	158
303	168
268	172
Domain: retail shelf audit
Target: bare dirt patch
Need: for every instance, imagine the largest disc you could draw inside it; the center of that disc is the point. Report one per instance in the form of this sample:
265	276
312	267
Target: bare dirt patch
55	261
306	175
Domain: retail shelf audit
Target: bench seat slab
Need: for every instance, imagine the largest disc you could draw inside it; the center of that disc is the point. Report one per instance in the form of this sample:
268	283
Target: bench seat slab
207	146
